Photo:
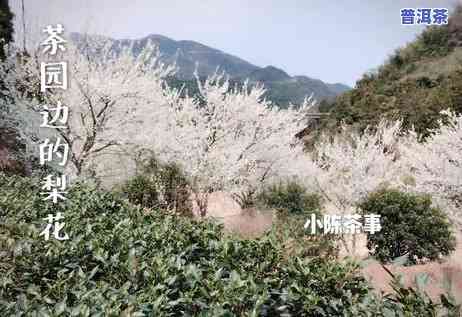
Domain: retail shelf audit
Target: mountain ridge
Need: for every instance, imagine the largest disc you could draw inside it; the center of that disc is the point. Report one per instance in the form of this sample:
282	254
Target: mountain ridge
190	56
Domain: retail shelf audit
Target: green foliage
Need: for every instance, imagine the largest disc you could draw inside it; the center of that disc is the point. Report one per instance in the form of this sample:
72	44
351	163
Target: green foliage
410	226
161	186
291	197
10	147
415	85
280	93
432	43
407	301
141	190
294	206
296	239
6	25
122	260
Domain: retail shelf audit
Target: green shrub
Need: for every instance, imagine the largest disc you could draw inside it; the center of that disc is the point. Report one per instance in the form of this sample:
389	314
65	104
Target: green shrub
296	240
407	301
159	185
141	190
434	41
410	226
291	197
294	206
122	261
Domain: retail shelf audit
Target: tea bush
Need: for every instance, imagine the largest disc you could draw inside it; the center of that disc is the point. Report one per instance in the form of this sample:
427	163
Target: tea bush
294	205
125	260
291	197
290	231
159	185
410	226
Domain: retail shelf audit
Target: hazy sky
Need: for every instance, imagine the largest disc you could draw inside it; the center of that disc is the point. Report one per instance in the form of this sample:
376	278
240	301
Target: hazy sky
335	41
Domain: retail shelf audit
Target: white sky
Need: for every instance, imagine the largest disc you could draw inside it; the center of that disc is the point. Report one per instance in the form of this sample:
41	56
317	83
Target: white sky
335	41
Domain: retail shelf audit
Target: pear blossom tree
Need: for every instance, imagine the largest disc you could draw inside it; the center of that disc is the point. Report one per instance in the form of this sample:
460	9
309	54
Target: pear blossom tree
109	94
113	96
352	165
436	164
230	140
355	164
19	97
118	103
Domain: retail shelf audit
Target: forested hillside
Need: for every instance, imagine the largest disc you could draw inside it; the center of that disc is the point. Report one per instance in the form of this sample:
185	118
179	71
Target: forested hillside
415	84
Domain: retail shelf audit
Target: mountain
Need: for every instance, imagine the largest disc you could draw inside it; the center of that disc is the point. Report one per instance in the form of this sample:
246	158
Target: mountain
269	74
282	88
417	82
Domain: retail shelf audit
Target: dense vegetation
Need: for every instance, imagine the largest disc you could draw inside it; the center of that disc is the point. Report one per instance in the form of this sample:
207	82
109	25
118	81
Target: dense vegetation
158	185
9	146
6	24
280	93
416	83
411	227
290	197
126	260
130	255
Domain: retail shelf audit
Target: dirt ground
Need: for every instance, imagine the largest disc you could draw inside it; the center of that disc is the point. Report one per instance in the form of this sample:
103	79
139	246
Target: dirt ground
247	223
252	223
449	270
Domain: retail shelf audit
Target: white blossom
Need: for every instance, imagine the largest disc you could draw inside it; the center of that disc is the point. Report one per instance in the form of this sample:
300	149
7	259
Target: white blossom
230	139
